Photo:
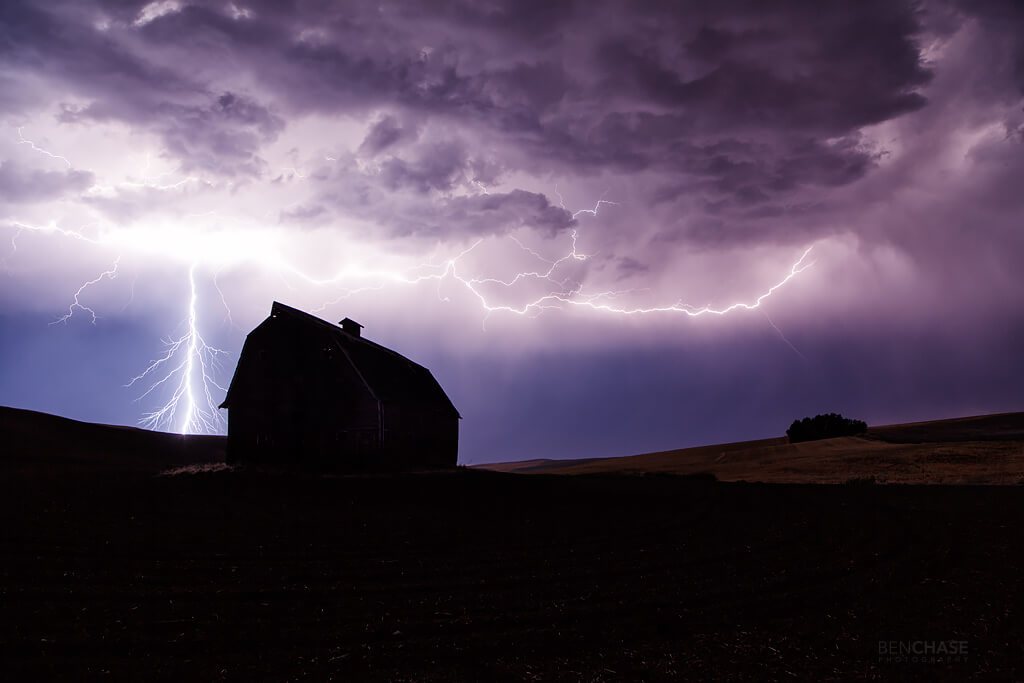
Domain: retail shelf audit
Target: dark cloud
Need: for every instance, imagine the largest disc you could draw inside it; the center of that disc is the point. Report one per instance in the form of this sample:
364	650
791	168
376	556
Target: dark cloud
495	213
223	137
736	111
736	166
65	48
1004	23
567	87
630	266
480	215
384	133
19	185
220	132
438	167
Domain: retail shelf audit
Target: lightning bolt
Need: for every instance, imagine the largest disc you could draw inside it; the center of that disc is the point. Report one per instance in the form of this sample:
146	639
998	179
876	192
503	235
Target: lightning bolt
590	301
22	140
76	304
14	247
571	292
593	212
79	234
224	302
783	336
188	364
575	296
153	181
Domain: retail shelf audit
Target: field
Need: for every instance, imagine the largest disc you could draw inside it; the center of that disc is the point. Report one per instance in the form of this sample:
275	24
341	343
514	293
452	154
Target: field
985	449
111	569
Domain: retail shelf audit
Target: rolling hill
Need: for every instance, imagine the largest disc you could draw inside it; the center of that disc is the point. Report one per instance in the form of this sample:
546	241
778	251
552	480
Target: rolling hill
35	441
984	449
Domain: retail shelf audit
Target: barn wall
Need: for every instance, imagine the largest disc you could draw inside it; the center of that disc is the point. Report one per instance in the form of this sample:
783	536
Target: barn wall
420	435
296	400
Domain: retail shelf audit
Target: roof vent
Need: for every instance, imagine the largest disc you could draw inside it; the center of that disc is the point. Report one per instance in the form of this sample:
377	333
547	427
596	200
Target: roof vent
350	326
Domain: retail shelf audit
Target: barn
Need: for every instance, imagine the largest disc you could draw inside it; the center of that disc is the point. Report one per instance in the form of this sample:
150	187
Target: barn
308	393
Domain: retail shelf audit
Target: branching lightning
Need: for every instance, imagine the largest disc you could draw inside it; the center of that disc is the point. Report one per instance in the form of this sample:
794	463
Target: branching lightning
570	292
575	296
76	304
576	214
188	364
153	181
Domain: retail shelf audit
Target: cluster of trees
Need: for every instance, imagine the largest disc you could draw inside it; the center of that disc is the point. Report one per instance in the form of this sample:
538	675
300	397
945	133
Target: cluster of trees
824	427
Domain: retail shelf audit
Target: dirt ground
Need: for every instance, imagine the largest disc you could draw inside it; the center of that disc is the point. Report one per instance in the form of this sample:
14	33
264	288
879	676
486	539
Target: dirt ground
120	573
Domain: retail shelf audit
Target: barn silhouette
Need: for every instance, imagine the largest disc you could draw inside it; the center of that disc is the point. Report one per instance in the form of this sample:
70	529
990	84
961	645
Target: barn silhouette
308	393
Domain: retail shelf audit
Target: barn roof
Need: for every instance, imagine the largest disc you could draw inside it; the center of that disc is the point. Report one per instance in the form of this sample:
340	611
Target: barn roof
388	375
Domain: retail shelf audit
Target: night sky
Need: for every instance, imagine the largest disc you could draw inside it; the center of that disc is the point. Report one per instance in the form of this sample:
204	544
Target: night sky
555	206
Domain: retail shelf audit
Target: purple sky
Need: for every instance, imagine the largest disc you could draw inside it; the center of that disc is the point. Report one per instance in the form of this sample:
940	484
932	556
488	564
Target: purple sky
555	206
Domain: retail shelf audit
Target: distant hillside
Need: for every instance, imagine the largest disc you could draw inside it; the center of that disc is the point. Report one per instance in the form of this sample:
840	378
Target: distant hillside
999	427
984	449
33	441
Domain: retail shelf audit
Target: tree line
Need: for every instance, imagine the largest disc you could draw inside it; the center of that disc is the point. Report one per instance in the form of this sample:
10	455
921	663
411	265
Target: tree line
824	427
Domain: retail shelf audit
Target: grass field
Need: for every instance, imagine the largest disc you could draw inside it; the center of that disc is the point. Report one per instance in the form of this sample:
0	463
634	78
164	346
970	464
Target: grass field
986	449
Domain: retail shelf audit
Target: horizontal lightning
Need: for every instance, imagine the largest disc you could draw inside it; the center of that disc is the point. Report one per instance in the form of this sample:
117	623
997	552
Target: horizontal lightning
571	292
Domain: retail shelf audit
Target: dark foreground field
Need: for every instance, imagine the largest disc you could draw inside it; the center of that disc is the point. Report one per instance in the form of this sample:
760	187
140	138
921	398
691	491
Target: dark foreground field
112	570
476	575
